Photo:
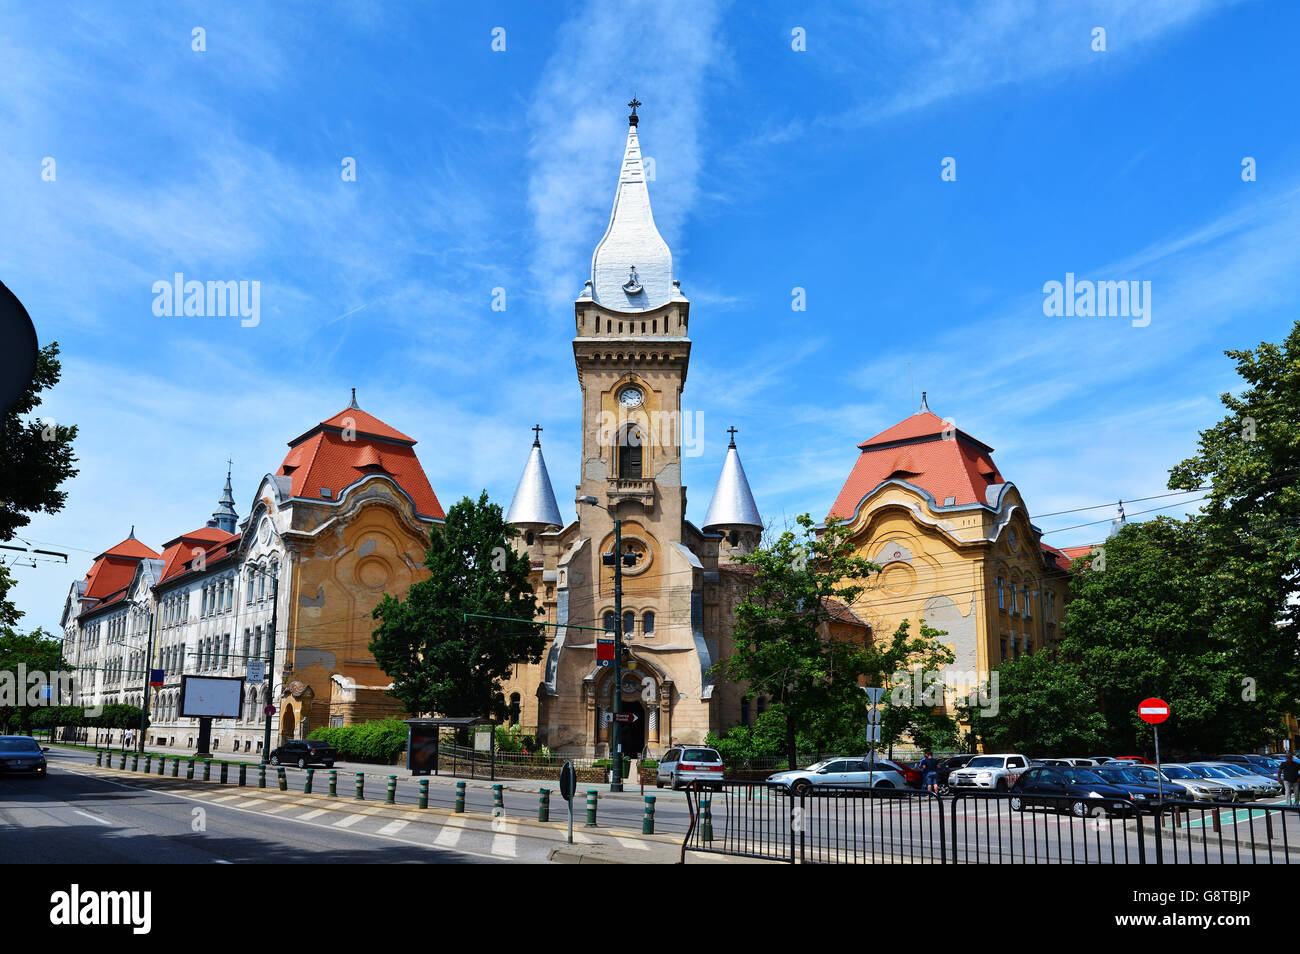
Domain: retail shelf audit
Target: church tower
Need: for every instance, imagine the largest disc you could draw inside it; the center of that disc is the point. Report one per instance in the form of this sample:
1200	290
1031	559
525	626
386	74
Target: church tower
224	517
732	511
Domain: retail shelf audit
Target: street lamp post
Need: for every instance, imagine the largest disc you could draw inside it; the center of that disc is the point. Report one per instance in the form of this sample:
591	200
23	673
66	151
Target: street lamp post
618	557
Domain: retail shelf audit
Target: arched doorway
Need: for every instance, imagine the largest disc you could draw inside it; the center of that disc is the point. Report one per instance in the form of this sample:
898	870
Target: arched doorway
632	734
286	723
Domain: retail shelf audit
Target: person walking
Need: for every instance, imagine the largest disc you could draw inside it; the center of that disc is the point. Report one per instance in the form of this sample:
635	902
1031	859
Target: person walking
1288	773
929	767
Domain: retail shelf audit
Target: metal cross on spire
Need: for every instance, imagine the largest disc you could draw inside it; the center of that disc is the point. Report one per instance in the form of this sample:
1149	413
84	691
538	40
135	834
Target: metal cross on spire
537	435
632	120
732	432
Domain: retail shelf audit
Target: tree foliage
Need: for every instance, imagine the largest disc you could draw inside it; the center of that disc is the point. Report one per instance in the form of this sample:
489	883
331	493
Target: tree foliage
35	652
440	661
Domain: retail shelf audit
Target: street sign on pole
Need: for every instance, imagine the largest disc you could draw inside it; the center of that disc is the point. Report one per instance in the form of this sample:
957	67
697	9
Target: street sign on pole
624	717
269	710
873	734
874	716
1153	710
874	693
256	672
568	784
604	652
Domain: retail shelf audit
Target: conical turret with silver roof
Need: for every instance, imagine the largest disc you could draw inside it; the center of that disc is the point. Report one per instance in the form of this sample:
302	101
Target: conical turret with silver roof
732	511
534	507
224	517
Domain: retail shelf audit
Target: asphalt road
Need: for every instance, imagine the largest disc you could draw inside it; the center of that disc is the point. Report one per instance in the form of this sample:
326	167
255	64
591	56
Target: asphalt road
72	818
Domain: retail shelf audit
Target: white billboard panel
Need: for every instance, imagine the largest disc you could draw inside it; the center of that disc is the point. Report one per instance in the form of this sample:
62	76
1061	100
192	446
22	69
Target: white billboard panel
220	697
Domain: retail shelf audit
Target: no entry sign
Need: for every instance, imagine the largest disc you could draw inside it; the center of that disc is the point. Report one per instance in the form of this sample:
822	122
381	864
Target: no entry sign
1154	711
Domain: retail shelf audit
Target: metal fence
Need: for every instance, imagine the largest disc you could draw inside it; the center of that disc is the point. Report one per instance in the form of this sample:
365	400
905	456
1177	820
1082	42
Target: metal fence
891	826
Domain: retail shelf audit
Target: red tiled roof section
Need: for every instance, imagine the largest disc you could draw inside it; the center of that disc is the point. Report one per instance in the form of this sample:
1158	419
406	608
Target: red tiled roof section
915	450
1054	557
1074	553
178	553
113	569
322	458
131	548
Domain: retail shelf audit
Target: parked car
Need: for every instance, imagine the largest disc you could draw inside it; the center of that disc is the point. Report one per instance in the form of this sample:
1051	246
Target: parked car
21	755
1144	791
304	752
990	772
1197	788
1102	759
683	764
842	773
948	766
1246	790
1140	760
1079	791
912	775
1265	787
1071	760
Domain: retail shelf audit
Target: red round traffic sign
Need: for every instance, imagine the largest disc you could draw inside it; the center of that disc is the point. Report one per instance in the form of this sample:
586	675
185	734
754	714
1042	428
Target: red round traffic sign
269	710
1153	710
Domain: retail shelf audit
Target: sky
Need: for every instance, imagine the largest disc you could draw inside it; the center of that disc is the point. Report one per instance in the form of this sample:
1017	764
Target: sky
913	172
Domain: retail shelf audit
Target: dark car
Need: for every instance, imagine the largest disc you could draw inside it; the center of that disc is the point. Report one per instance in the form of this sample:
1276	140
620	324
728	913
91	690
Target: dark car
20	755
1260	764
1073	790
1145	794
304	752
949	765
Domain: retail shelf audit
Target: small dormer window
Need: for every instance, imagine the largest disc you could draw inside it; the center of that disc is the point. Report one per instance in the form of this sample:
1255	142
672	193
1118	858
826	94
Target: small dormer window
325	493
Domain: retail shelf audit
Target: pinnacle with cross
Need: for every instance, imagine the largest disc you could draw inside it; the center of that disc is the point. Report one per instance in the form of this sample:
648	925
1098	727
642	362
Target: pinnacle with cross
732	432
632	120
537	435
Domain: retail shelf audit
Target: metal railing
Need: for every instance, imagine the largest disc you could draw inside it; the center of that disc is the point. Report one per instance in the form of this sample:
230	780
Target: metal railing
890	826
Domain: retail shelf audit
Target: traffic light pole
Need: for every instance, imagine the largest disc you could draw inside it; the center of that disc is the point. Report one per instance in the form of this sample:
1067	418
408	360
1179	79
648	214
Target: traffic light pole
270	667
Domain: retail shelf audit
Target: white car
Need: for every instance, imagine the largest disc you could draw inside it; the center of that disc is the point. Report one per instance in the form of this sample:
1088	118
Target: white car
995	773
1071	761
842	773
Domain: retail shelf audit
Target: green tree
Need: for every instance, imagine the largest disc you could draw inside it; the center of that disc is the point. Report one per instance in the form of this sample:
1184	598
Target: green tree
34	652
1045	706
905	661
35	459
782	647
439	660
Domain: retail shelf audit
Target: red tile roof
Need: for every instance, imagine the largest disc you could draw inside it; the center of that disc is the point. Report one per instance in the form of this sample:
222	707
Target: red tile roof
322	458
178	553
111	573
1074	553
1054	557
915	450
130	548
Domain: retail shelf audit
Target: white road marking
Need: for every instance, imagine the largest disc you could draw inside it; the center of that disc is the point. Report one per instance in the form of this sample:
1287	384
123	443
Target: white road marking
450	833
392	828
314	813
248	804
349	821
93	818
632	843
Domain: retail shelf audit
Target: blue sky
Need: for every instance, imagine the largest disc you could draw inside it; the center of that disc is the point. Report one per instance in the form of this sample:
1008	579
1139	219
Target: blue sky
774	169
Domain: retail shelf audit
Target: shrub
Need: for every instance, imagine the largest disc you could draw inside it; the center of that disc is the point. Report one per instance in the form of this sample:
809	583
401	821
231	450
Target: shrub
383	741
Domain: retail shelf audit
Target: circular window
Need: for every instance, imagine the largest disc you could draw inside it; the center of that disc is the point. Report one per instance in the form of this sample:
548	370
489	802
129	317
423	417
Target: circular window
637	546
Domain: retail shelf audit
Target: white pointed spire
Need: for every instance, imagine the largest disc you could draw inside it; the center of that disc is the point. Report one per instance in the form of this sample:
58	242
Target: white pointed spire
534	500
1119	520
632	268
733	502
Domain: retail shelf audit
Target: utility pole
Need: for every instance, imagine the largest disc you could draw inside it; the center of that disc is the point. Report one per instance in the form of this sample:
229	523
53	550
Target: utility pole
270	664
148	663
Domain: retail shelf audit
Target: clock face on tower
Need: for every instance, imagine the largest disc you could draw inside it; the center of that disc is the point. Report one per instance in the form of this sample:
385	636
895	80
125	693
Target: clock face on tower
630	396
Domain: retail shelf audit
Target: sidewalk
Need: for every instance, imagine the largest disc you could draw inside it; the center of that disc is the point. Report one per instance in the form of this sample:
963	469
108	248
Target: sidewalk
348	770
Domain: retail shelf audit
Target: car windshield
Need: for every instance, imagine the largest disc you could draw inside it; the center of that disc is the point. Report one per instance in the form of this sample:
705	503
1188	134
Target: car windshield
19	745
1231	769
700	755
986	761
1083	775
1120	775
1174	771
1208	771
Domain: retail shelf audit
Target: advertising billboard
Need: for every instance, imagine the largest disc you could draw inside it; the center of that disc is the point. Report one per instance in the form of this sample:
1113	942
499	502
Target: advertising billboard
217	697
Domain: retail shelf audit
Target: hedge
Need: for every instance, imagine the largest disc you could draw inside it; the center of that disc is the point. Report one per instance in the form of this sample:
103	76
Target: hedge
383	742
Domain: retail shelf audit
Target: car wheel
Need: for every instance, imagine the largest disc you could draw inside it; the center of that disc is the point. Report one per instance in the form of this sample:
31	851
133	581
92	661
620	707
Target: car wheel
801	787
944	789
329	765
1081	809
672	781
1002	785
884	784
275	760
659	783
302	763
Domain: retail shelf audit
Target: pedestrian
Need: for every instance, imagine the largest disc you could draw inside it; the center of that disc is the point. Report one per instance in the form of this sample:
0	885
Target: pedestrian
929	767
1288	773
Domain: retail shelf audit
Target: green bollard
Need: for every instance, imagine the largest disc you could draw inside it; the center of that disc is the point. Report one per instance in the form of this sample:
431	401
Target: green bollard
281	781
225	773
543	804
460	796
261	775
176	766
706	816
148	765
122	765
392	791
498	801
424	793
135	761
189	770
361	787
306	785
648	823
162	764
207	770
334	782
243	774
591	808
99	756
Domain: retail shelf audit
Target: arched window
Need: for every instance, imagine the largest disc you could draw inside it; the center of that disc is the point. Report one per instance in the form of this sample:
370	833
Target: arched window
610	619
762	705
514	708
629	624
629	454
648	625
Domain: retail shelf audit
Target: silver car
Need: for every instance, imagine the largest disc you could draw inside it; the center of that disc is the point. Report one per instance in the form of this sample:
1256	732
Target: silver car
1246	790
842	773
1179	777
1264	786
683	764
